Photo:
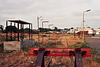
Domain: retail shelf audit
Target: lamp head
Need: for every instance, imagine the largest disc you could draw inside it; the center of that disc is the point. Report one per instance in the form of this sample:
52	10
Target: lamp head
88	10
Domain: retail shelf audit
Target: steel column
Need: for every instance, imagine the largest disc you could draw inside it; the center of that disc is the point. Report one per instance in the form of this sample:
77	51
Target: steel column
29	31
14	32
21	33
6	31
11	30
18	32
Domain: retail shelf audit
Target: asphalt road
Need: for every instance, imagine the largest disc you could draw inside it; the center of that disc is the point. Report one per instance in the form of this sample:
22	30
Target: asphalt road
94	42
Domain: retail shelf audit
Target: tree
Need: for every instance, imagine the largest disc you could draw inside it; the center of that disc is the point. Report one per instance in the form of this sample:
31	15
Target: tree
55	29
11	29
66	29
99	28
71	28
1	27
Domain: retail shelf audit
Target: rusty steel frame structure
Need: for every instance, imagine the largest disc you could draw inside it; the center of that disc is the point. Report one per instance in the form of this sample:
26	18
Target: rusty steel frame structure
77	52
21	23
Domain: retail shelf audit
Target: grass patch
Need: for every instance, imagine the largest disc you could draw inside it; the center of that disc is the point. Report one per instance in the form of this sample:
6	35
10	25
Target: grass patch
52	44
80	45
37	44
94	57
84	45
97	59
47	45
44	35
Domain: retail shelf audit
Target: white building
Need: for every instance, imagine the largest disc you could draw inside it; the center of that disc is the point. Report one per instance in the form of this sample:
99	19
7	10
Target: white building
72	30
97	31
85	29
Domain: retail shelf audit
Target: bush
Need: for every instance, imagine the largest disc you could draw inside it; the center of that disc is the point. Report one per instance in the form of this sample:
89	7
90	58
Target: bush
54	43
97	59
83	45
44	35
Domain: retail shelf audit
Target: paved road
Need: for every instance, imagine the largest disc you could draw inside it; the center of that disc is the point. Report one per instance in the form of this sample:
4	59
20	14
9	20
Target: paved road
94	42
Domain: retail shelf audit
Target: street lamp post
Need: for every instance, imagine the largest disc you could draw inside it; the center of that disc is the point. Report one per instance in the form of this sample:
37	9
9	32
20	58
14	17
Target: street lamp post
42	28
38	26
83	22
49	28
44	22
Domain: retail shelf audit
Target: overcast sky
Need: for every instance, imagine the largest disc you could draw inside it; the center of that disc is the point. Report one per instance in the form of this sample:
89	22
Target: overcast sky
61	13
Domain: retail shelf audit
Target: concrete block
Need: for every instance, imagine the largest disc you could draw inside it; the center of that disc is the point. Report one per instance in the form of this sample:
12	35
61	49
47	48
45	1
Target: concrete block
27	43
12	45
18	45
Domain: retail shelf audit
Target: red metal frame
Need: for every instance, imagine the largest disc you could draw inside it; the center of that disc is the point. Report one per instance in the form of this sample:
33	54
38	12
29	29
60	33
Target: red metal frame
16	34
58	52
77	52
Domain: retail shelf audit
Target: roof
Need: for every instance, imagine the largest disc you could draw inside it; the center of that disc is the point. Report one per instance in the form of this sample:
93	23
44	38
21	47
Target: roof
97	29
17	21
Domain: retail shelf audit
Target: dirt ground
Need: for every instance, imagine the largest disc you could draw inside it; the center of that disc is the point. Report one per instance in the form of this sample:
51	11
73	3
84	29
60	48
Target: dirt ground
22	58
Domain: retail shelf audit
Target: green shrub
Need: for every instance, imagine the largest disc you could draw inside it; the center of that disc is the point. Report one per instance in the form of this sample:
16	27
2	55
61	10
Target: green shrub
84	45
97	59
54	43
36	46
37	43
44	35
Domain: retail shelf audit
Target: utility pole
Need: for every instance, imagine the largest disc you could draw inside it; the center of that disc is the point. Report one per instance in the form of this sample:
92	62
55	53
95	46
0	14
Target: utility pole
83	23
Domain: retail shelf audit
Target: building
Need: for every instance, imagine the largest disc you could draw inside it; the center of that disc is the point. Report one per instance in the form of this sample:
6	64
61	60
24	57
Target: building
63	31
72	30
97	31
85	29
79	29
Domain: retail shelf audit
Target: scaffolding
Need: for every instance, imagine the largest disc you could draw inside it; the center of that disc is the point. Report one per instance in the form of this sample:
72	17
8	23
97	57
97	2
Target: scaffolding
20	23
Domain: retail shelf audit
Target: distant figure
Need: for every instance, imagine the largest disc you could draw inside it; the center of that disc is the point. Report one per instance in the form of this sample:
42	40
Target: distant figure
93	34
79	34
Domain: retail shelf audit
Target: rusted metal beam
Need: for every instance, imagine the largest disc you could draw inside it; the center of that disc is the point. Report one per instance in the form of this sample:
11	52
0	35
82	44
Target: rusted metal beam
40	60
78	58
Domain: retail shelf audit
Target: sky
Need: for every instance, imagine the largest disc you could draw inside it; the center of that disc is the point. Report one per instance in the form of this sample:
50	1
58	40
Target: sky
60	13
